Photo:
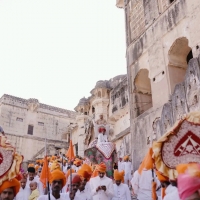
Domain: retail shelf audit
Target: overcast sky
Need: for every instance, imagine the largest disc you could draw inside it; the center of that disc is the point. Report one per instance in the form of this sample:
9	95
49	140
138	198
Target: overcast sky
56	50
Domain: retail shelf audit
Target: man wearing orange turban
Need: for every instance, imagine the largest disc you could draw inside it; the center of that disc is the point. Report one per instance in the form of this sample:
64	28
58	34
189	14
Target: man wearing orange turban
9	189
101	186
128	170
145	182
168	191
57	181
85	172
121	190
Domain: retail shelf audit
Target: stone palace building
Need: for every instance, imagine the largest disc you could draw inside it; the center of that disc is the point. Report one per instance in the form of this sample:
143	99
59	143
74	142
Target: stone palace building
163	44
27	122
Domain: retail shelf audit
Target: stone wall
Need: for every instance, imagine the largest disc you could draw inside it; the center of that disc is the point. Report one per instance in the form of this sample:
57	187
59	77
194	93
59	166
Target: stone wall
28	122
155	122
32	147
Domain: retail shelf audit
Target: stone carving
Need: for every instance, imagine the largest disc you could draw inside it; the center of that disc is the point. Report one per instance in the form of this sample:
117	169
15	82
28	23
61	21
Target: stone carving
192	85
166	118
179	104
101	120
88	131
156	129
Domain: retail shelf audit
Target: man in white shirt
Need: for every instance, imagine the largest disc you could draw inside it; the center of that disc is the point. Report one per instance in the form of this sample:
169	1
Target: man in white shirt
57	182
102	137
101	186
32	178
24	191
171	192
121	190
120	165
143	184
128	170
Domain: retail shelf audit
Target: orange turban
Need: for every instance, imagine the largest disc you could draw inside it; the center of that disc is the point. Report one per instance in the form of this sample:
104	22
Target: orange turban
84	174
58	175
161	178
76	179
182	168
14	183
95	173
86	167
119	175
53	157
37	167
31	165
147	162
101	167
126	157
77	162
55	166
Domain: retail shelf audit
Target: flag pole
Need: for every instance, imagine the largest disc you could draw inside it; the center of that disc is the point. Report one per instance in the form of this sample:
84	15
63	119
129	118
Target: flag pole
71	163
48	188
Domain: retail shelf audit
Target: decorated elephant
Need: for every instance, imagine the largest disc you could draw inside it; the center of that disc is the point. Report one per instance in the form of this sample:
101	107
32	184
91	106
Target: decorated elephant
102	152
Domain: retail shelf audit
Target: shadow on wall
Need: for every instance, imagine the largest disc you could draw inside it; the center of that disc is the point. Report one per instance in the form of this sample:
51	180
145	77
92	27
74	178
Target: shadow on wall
142	90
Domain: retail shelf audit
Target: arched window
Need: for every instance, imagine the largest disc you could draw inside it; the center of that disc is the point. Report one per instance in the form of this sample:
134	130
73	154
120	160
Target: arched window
179	55
143	94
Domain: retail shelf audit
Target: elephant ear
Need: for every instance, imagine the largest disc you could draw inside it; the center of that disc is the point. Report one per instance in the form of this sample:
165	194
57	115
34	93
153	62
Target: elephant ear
90	154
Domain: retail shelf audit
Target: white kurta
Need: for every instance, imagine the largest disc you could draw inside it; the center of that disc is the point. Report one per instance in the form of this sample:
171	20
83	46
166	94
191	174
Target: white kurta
88	190
122	192
81	195
171	193
102	138
145	185
135	182
23	194
101	194
127	169
45	197
120	166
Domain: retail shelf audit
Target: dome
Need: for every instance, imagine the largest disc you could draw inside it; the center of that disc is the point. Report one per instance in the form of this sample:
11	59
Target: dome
102	84
83	101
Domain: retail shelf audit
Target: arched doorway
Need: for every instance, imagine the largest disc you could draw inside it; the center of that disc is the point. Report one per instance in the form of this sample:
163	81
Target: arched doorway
143	94
179	55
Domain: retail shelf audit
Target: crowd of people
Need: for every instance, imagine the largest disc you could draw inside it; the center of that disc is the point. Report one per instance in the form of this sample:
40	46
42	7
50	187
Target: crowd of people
70	181
79	180
62	178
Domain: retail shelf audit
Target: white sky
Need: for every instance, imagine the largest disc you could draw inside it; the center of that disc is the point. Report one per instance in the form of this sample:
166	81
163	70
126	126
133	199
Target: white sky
56	50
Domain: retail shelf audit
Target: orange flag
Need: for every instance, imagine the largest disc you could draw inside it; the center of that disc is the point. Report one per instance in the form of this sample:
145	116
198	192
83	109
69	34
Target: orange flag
45	173
70	152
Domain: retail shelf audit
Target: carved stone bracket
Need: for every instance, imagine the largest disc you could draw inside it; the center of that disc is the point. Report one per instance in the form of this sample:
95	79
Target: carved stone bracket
179	104
167	119
192	85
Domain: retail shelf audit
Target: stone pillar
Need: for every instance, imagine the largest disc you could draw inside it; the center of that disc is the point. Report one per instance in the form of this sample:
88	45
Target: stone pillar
101	107
81	119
